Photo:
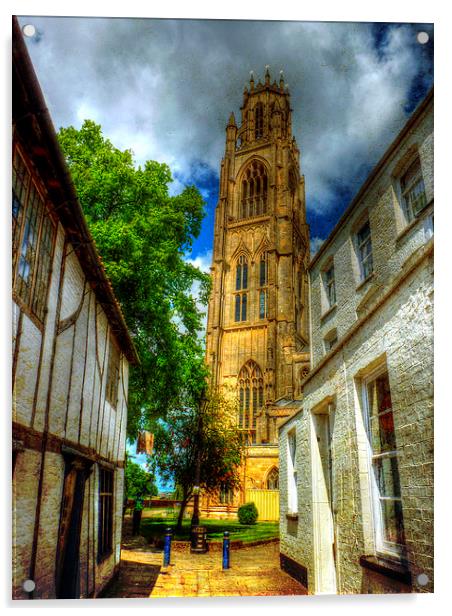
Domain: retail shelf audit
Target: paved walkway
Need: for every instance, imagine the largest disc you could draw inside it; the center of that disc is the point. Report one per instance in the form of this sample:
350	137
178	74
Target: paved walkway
254	571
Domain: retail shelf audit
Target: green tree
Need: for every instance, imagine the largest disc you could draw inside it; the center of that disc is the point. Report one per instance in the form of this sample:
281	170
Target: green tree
209	431
137	481
142	234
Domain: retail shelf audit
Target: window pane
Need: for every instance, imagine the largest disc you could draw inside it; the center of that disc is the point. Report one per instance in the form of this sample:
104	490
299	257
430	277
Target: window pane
245	276
27	256
330	286
385	459
412	172
237	307
262	305
416	197
262	273
364	233
244	307
382	431
247	408
391	511
238	277
367	266
381	417
44	267
21	178
387	476
365	250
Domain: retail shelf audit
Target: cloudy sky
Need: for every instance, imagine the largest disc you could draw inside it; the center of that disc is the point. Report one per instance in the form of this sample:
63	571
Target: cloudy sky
165	89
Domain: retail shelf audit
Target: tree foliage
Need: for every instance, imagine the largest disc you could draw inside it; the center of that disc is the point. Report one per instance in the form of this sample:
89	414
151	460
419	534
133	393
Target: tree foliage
247	513
209	430
142	234
137	482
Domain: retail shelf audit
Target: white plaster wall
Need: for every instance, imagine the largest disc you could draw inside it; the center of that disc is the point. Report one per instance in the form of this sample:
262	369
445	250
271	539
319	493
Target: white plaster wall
26	372
49	332
49	525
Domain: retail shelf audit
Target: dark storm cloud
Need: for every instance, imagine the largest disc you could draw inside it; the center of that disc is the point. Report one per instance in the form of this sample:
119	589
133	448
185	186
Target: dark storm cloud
165	88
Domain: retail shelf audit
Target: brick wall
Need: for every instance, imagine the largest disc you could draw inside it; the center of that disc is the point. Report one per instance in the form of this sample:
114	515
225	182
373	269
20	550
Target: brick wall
385	321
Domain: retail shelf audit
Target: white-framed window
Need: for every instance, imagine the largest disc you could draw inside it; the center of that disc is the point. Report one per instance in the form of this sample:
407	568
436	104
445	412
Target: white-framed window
364	250
384	464
292	494
428	227
330	286
413	190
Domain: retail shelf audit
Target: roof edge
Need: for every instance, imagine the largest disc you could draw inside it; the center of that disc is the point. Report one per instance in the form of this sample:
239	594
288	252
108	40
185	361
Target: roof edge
110	304
414	117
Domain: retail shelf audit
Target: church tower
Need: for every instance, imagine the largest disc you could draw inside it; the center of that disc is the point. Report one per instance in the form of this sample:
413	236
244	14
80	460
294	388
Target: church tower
257	330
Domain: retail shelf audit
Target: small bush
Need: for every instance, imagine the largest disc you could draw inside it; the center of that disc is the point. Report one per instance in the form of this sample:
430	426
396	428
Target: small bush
247	513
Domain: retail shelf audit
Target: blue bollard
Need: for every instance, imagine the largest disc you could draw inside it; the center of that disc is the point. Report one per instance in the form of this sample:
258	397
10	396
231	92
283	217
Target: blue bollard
226	550
167	548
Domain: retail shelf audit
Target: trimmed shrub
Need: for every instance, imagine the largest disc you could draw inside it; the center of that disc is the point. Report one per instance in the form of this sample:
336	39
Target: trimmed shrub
247	513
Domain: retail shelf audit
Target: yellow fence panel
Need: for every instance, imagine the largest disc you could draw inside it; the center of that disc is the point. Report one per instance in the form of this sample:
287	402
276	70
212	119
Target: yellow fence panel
266	501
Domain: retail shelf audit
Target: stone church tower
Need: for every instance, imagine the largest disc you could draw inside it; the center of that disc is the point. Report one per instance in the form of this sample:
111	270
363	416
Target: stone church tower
257	330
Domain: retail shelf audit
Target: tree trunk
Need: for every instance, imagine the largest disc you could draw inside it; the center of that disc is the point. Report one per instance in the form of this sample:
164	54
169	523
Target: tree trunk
180	517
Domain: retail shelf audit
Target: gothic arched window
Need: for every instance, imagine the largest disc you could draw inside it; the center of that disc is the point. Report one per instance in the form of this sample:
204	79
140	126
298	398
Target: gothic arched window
253	201
241	284
273	479
251	396
259	121
263	282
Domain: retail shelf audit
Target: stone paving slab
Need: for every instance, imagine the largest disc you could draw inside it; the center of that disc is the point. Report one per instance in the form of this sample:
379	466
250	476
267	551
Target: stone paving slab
254	572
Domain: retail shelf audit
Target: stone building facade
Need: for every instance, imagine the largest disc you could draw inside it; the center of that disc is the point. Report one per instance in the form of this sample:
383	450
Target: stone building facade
356	477
257	329
71	355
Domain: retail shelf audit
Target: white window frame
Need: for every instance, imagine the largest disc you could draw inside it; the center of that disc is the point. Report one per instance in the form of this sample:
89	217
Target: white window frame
382	547
407	207
292	490
329	284
359	246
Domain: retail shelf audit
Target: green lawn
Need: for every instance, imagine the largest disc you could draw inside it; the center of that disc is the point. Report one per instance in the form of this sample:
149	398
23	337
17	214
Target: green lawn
154	527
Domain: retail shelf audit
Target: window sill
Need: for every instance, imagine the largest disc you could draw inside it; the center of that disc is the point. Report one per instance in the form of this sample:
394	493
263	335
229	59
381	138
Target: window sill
426	210
389	568
292	516
365	281
328	313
